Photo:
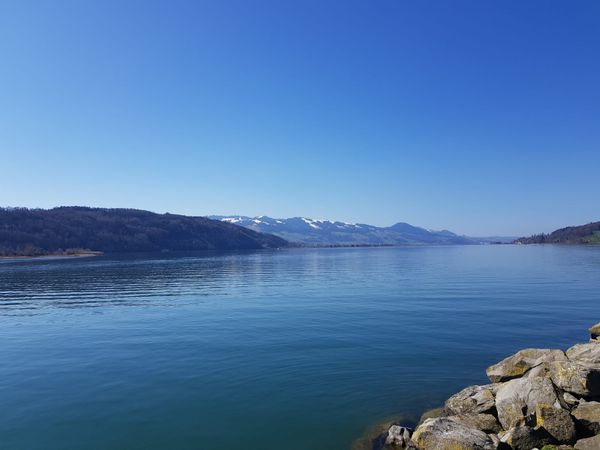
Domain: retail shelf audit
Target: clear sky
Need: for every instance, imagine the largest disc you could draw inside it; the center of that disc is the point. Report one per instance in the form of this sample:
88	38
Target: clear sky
476	116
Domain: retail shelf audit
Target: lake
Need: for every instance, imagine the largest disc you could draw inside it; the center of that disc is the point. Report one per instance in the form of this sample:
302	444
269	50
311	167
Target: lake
297	349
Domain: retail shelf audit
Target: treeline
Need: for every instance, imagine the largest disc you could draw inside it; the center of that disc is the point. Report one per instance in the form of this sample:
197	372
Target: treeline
32	232
32	250
583	234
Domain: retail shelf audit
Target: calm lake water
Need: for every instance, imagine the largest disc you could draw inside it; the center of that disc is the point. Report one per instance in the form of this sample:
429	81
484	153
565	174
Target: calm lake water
295	349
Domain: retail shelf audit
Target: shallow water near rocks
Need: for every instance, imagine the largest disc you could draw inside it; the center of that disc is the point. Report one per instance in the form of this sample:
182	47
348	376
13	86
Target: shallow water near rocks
295	349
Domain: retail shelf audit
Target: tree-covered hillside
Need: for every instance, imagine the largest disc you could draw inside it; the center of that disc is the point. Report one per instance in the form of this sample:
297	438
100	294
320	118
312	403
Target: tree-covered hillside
583	234
38	232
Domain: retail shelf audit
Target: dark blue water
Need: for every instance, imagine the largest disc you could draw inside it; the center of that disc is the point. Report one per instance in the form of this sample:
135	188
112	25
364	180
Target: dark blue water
298	349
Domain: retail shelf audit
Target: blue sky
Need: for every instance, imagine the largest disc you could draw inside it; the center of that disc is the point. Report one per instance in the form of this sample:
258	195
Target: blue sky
479	117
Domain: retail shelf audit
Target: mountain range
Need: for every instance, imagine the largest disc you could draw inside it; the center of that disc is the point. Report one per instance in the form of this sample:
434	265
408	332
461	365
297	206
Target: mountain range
77	230
334	233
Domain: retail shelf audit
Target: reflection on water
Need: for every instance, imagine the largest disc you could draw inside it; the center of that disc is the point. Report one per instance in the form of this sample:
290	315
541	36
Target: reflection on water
301	348
32	285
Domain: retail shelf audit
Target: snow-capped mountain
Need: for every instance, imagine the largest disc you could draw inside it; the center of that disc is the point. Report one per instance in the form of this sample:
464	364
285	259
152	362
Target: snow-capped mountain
326	232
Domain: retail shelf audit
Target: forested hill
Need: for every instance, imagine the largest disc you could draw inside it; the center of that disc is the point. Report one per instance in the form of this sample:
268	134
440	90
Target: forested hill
583	234
38	232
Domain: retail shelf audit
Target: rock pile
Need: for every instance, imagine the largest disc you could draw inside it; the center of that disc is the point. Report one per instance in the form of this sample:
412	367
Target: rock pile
538	399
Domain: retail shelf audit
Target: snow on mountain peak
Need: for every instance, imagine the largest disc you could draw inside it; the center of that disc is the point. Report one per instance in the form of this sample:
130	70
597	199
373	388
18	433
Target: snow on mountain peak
231	219
311	223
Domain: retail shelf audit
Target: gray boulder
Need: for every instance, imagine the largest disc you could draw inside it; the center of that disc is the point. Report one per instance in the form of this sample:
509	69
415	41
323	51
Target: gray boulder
473	400
592	443
556	421
585	354
525	438
484	422
595	332
399	437
443	433
587	415
517	365
555	447
516	399
570	377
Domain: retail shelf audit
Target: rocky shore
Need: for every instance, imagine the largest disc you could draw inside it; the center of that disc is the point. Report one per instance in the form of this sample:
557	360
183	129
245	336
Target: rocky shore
538	399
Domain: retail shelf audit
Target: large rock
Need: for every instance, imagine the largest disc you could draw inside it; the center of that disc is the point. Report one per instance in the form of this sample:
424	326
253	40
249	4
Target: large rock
570	377
525	438
443	433
473	400
484	422
586	354
556	421
433	414
516	399
595	332
374	438
592	443
517	365
588	418
399	437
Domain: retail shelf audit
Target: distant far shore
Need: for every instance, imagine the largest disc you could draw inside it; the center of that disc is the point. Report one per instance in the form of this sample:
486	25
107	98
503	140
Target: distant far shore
80	254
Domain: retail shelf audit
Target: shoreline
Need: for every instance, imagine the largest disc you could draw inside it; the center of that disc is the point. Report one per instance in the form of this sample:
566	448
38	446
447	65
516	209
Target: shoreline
54	255
544	399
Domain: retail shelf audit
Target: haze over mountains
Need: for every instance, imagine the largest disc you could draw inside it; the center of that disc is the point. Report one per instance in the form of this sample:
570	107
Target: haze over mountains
326	232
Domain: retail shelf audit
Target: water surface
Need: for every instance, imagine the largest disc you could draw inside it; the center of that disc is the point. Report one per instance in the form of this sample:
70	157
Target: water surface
295	349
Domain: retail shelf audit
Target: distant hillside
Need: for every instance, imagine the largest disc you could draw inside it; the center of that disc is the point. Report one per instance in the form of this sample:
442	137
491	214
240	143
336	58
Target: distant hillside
494	239
325	232
583	234
37	232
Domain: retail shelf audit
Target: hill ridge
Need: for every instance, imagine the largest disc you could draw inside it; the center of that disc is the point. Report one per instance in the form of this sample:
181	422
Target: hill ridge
578	234
33	232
